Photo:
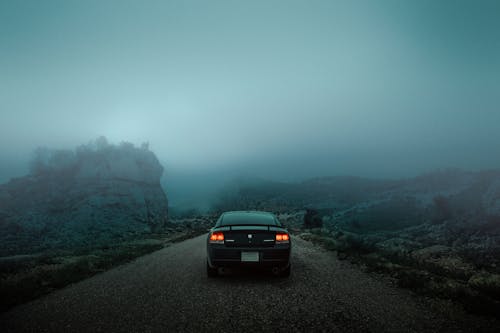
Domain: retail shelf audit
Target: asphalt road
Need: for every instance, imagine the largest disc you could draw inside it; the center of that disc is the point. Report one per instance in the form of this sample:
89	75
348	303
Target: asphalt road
168	291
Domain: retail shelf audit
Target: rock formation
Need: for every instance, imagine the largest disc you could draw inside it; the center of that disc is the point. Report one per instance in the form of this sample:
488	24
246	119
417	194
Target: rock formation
93	196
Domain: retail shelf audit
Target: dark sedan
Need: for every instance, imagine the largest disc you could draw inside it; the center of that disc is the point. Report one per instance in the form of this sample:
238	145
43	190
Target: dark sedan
251	239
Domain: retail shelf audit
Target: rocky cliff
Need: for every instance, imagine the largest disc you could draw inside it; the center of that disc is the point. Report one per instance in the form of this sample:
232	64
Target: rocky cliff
92	196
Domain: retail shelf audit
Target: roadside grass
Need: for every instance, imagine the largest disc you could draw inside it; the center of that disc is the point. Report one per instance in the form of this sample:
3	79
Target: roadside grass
27	277
478	290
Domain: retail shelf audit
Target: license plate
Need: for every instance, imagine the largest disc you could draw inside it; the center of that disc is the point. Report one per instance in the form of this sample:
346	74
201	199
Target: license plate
250	256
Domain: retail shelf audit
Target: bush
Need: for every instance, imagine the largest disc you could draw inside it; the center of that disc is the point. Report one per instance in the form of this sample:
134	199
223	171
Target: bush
47	160
312	219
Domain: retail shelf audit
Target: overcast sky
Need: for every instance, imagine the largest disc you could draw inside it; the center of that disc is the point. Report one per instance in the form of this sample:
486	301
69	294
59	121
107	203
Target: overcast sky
280	88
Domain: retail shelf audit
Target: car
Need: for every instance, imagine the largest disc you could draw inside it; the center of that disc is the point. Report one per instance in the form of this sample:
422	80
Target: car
252	239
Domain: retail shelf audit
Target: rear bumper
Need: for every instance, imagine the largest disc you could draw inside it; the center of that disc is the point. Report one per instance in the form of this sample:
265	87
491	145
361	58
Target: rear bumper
222	256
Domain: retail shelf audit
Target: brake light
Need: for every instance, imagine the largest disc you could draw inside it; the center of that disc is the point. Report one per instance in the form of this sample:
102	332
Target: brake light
217	237
282	238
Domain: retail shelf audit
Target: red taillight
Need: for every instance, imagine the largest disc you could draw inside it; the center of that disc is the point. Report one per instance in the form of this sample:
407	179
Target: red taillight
282	238
217	237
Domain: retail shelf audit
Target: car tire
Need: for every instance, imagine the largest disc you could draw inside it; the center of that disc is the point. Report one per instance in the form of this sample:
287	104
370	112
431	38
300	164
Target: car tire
211	271
286	271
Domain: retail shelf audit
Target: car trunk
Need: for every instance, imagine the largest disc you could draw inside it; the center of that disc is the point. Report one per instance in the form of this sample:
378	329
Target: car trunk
250	237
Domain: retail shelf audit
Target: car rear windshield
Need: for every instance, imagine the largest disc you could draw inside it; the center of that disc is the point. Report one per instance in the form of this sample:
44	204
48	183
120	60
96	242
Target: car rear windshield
248	219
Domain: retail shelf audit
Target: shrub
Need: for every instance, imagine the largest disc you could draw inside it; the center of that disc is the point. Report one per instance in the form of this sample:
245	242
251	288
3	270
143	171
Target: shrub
312	219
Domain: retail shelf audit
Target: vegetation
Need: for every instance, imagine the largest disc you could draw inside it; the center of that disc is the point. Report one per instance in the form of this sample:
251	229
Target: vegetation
312	219
432	271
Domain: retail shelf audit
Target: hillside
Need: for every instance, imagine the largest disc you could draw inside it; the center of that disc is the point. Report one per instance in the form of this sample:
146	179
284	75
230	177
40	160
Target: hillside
464	193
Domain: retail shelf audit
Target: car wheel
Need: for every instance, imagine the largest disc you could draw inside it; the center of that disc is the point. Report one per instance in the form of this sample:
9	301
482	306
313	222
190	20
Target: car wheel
286	271
211	271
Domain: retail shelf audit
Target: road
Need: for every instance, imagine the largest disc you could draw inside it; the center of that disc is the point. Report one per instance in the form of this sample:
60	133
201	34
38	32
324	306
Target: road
168	291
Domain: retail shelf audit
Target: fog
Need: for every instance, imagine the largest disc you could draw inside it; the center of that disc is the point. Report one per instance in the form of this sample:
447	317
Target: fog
276	89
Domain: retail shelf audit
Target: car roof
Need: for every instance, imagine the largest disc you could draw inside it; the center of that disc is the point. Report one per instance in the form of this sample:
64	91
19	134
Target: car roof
248	218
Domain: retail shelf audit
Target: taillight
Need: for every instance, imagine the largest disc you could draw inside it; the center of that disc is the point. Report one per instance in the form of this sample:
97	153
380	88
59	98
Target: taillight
217	237
282	238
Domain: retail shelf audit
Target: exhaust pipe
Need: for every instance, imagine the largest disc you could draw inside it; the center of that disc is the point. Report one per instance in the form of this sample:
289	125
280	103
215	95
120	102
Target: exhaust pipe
276	270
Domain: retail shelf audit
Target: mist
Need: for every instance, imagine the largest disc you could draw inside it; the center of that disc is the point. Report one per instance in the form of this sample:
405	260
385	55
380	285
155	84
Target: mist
184	164
279	90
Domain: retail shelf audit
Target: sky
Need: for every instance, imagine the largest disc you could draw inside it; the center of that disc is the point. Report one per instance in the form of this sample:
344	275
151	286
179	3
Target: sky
277	89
